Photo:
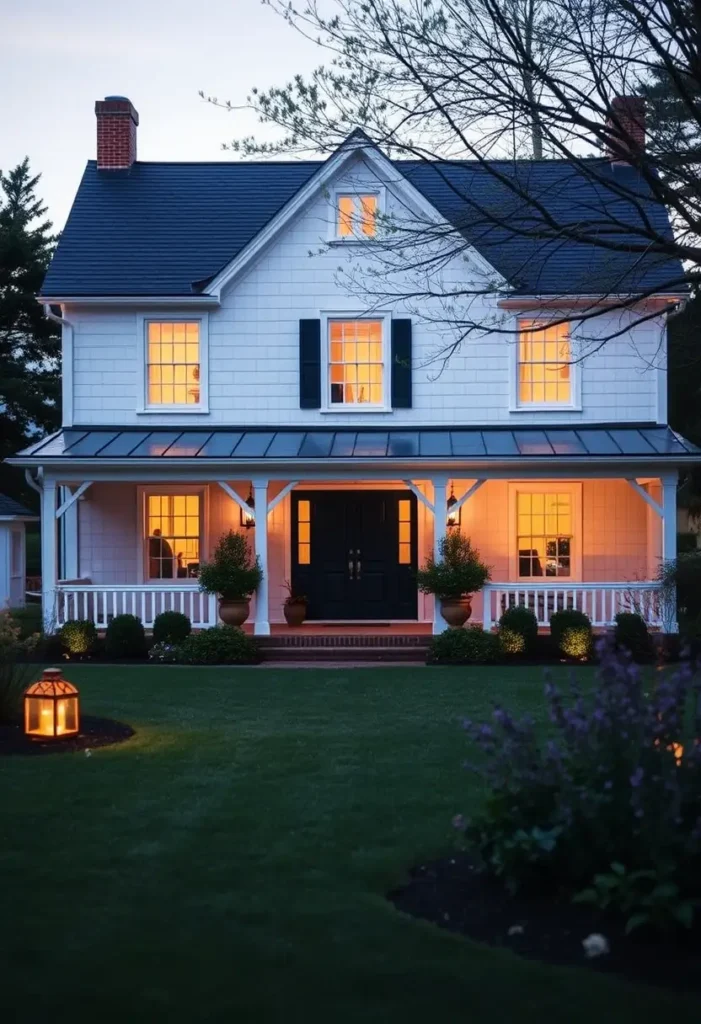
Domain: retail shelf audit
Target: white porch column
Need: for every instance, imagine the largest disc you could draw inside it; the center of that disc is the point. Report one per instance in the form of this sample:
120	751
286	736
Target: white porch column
669	540
440	515
49	561
260	496
68	525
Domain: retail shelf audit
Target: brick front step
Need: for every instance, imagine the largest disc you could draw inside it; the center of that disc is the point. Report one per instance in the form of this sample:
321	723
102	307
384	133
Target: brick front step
340	642
389	655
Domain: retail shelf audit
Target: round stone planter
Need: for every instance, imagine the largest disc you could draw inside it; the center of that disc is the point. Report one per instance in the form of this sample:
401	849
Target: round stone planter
295	614
234	613
456	610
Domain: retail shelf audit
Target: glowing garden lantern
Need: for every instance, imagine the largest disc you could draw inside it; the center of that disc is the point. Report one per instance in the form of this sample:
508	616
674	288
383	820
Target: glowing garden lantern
51	707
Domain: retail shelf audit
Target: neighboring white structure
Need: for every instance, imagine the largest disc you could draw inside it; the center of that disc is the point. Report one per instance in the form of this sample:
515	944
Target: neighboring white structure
13	559
219	351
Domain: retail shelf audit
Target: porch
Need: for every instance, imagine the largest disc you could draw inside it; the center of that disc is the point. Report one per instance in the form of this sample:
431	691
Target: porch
565	519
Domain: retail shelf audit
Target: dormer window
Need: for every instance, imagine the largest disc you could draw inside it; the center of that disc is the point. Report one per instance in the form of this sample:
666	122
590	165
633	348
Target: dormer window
356	215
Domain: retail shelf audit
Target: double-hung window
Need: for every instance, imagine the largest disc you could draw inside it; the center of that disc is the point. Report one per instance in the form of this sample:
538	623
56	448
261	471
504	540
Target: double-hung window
174	358
544	372
356	363
173	535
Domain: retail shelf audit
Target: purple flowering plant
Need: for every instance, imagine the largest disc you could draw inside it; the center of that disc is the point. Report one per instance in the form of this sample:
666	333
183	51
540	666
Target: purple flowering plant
615	778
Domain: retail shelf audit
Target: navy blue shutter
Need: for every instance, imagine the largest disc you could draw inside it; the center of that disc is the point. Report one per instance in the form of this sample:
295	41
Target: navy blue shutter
401	364
310	364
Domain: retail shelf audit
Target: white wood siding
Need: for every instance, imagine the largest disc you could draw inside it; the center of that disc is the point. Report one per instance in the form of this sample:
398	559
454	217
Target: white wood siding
253	351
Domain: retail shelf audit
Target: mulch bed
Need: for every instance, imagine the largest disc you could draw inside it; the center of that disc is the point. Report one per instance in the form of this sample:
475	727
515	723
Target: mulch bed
94	732
454	895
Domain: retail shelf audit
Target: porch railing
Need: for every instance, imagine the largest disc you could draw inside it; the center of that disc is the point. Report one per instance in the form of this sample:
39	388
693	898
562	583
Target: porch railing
600	601
101	603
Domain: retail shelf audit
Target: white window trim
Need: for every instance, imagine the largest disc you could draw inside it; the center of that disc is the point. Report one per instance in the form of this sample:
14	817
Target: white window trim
572	487
359	239
326	405
142	492
575	403
142	322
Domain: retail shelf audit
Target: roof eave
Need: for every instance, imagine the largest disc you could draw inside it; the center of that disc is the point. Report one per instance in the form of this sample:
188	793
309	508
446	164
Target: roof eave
205	301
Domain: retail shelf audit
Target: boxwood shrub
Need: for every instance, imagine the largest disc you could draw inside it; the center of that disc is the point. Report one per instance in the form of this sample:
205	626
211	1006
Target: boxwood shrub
220	645
632	635
470	646
171	628
125	637
571	632
518	630
78	637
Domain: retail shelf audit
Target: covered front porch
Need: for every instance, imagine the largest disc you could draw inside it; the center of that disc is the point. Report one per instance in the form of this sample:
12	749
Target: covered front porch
565	518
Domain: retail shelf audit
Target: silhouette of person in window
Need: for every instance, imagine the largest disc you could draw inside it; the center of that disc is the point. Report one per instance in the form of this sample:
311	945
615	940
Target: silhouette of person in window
160	556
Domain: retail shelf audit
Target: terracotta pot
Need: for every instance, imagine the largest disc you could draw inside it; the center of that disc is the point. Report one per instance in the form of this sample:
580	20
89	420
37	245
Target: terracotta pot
456	610
234	613
295	614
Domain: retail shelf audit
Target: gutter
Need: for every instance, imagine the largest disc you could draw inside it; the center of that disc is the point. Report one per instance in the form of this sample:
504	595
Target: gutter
66	362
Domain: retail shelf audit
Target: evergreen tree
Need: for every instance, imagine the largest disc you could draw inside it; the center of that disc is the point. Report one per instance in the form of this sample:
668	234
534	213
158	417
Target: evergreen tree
29	341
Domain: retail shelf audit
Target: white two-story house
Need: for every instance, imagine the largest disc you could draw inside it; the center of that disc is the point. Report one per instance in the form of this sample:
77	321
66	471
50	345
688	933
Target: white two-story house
223	369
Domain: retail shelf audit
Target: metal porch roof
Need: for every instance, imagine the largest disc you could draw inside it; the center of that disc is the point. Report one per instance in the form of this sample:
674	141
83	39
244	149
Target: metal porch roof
104	444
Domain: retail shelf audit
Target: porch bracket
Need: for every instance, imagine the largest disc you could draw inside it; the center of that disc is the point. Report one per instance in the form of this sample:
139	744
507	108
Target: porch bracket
62	509
645	496
468	494
283	494
235	497
420	495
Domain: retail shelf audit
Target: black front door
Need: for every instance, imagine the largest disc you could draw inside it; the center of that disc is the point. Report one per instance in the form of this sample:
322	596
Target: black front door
354	553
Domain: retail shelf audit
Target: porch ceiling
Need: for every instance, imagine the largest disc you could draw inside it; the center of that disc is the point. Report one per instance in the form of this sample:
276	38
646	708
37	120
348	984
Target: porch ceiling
104	445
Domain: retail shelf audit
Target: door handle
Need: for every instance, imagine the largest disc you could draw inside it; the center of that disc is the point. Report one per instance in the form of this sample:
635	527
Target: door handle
358	564
351	564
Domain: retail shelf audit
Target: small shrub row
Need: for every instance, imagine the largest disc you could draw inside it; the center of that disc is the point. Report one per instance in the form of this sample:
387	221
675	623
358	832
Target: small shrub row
220	645
570	636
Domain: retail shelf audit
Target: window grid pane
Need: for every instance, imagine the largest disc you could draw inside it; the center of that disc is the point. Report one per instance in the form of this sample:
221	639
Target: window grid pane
544	524
173	526
356	369
544	354
173	367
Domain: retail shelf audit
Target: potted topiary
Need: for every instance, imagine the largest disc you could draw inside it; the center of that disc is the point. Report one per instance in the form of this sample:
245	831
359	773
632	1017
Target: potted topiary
295	606
234	574
454	578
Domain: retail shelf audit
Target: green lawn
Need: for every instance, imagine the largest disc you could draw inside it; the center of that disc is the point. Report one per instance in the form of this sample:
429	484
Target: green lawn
230	862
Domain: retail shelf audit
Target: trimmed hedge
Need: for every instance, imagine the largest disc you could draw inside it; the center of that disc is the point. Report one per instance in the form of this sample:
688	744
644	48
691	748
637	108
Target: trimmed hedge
78	636
572	633
470	646
632	635
171	628
125	637
220	645
518	630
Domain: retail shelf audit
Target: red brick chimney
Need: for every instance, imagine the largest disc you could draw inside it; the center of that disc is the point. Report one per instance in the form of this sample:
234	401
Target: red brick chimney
627	122
116	133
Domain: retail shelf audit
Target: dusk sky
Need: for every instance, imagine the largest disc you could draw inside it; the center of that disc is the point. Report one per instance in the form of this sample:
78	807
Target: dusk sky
56	59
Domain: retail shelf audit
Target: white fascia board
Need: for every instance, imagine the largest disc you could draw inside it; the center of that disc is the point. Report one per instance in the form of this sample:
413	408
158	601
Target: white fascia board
388	176
144	301
526	302
351	469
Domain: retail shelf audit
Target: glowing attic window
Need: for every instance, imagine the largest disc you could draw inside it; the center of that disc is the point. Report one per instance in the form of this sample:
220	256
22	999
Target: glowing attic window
356	216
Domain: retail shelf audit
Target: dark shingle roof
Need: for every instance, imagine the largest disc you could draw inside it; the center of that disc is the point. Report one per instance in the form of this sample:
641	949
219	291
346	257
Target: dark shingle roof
161	228
10	507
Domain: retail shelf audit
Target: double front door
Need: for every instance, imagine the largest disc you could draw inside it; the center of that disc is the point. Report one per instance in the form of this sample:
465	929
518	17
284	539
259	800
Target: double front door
354	553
